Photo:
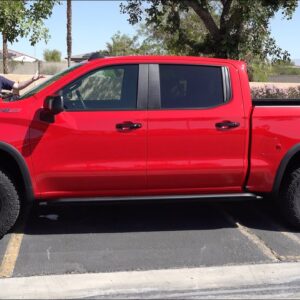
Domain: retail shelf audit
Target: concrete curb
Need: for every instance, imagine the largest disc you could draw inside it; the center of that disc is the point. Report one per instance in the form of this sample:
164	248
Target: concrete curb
156	282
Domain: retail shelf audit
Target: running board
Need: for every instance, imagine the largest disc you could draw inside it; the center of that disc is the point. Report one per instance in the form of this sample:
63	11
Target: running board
240	196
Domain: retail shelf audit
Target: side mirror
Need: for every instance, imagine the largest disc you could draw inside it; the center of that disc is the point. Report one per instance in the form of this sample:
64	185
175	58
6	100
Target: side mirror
54	104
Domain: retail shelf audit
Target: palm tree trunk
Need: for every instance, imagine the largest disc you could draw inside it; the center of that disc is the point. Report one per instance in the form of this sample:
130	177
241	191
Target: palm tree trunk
69	30
5	53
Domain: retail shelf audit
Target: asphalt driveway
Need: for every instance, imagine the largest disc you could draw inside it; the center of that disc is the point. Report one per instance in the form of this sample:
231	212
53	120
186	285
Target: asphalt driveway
147	236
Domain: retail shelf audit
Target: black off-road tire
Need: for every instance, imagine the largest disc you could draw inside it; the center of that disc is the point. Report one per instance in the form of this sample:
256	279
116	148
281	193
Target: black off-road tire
9	204
289	198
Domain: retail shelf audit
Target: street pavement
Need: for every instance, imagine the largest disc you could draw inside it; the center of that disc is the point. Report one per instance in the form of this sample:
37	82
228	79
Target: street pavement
102	238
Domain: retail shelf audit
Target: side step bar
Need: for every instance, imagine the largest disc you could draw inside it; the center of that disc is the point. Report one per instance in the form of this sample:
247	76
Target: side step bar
230	197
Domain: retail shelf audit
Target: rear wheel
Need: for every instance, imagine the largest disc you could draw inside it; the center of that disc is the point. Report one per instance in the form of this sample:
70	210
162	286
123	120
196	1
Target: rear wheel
289	198
9	204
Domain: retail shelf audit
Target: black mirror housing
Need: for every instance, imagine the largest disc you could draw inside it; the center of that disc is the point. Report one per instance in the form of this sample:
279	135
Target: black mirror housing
54	104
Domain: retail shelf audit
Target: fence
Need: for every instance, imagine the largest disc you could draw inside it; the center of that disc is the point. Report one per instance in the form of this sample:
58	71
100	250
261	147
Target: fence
285	78
26	68
50	68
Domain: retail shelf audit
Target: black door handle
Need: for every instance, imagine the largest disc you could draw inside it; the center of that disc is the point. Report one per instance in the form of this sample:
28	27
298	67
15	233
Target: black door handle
128	126
227	125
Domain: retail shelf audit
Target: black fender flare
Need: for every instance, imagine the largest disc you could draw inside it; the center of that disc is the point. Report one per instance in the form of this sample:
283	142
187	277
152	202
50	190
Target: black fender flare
282	167
16	155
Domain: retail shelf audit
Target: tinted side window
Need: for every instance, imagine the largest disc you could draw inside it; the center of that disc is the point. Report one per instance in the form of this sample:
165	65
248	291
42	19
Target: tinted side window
184	86
107	88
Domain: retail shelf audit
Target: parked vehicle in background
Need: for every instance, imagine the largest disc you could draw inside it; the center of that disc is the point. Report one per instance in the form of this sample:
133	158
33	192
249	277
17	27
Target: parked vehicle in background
143	127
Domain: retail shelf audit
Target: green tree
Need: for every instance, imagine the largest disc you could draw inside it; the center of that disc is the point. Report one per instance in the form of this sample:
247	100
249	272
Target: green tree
122	44
52	55
22	18
158	40
237	29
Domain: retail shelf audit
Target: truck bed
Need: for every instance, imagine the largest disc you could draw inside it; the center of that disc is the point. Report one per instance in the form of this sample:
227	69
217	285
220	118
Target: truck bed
275	102
275	127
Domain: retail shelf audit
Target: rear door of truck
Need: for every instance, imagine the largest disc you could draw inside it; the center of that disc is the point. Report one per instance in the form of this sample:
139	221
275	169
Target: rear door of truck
197	129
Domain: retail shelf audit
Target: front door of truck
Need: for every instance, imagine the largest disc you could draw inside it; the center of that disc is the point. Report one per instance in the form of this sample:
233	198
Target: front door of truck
97	146
197	134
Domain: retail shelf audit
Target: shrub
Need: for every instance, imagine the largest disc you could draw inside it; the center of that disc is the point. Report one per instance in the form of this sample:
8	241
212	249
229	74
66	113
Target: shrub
52	55
271	91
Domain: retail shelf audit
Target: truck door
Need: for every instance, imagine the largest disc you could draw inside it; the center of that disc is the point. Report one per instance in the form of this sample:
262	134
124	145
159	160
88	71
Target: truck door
97	146
197	133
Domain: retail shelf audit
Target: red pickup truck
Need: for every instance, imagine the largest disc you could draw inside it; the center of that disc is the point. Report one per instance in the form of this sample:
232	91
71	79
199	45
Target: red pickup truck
144	127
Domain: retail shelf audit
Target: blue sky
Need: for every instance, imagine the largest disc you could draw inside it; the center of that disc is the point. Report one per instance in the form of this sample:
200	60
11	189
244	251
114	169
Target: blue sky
94	22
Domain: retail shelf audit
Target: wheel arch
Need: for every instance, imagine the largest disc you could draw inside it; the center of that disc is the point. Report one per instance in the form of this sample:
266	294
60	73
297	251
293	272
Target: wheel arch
291	157
13	162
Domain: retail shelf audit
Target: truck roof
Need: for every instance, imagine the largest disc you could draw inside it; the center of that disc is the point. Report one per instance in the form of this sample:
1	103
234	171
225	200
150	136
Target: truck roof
166	59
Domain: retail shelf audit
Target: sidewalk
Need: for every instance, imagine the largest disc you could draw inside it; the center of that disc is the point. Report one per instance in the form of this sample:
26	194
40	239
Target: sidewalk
278	280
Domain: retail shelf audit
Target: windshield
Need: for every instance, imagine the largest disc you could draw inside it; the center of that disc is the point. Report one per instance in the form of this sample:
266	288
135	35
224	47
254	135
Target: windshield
46	83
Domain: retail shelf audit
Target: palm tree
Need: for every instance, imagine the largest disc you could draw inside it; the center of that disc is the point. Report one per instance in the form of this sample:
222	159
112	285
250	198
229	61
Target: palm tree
69	30
5	53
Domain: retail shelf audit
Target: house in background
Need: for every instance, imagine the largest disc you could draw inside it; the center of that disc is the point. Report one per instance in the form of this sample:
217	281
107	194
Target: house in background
81	57
18	56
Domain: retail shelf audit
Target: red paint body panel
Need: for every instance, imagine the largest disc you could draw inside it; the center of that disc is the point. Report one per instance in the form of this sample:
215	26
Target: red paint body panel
15	123
275	131
182	150
82	154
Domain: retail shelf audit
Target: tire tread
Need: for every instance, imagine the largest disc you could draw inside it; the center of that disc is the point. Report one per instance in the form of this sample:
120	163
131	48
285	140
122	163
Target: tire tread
289	199
10	207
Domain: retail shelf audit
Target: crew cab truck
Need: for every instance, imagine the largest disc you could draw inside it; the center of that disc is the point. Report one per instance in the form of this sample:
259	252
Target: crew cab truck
145	127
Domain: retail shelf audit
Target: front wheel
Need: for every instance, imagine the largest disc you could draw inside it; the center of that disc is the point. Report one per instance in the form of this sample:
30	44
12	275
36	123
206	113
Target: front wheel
289	198
9	204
